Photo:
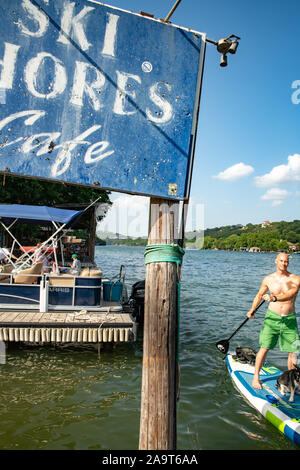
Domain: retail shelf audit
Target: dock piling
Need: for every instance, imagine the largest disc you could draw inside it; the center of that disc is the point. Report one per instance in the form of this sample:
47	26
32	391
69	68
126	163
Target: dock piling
159	376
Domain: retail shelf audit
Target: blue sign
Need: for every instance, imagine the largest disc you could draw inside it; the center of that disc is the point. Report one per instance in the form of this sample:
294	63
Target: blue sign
98	96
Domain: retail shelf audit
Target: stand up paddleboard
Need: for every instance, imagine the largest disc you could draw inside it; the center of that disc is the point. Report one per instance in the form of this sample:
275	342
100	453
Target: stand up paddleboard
284	415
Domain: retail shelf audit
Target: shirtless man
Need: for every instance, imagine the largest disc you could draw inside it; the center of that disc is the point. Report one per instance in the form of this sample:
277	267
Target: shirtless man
280	320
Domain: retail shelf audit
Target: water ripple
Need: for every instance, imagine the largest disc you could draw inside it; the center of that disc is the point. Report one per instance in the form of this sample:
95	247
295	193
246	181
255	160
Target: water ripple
69	398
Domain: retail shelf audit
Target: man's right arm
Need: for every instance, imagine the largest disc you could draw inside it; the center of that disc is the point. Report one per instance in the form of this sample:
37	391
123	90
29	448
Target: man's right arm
257	299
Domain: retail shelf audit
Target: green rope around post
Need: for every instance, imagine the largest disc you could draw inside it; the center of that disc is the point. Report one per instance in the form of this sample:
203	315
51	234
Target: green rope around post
171	253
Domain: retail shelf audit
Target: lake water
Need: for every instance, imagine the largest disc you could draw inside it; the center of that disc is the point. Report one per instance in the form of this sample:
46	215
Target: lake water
67	398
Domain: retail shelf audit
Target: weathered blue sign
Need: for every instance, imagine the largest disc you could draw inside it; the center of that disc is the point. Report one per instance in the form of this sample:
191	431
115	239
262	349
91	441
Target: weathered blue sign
98	96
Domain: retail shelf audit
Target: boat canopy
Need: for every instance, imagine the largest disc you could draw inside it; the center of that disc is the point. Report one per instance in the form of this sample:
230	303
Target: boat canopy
61	219
36	214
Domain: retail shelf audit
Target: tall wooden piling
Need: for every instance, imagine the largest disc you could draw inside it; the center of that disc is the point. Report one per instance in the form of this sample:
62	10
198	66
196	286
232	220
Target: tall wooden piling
159	377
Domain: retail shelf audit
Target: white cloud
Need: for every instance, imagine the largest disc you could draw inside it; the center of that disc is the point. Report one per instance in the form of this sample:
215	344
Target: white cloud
128	216
282	174
276	195
235	172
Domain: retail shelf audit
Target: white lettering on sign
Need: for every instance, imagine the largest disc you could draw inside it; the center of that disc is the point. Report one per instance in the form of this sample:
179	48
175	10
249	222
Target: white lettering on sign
163	104
73	24
8	65
81	86
65	155
37	16
72	27
123	92
35	114
110	35
35	141
59	82
94	153
47	76
127	84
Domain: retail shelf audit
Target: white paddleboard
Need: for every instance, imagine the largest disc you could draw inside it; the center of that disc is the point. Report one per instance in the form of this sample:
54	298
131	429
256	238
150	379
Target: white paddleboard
284	415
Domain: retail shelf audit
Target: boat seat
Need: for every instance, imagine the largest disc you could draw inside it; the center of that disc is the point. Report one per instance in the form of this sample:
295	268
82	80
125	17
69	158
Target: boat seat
5	281
66	280
26	275
5	270
87	272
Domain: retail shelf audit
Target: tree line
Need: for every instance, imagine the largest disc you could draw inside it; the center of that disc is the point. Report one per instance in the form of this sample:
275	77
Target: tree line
276	236
21	190
273	237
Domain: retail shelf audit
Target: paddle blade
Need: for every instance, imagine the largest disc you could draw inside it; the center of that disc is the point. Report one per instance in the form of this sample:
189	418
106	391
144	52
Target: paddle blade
223	346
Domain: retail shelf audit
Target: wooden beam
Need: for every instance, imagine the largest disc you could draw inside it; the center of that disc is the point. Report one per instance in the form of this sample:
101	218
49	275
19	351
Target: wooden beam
92	234
159	376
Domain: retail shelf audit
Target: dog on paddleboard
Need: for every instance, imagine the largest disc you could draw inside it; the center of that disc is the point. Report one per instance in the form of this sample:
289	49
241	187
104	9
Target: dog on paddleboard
289	382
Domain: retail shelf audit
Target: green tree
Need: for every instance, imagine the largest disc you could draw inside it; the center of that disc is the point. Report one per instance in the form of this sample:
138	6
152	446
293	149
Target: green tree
209	243
292	237
220	244
231	241
283	245
19	190
274	244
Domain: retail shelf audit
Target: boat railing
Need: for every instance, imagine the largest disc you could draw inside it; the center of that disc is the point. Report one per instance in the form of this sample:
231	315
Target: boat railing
50	289
61	290
13	278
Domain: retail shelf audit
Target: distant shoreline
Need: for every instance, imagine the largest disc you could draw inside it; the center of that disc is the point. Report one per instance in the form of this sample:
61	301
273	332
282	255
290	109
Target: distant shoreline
203	249
268	237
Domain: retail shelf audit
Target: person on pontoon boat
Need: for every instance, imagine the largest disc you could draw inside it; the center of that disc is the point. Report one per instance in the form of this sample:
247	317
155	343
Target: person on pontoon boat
5	255
40	257
75	268
54	266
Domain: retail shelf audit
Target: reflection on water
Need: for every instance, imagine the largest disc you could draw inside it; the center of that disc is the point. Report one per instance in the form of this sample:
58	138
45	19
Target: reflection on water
72	398
66	397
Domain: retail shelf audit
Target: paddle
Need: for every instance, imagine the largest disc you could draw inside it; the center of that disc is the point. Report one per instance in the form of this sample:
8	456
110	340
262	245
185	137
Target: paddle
223	345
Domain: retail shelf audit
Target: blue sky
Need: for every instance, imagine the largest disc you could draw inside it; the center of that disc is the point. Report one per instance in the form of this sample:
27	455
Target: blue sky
247	159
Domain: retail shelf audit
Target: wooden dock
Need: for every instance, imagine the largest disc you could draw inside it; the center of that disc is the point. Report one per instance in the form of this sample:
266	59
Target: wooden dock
65	327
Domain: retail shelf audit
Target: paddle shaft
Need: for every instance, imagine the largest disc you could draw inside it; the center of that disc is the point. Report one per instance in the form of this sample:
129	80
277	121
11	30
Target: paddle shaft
245	321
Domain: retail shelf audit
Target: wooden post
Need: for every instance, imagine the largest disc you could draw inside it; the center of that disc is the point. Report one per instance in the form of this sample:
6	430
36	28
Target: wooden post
159	377
92	237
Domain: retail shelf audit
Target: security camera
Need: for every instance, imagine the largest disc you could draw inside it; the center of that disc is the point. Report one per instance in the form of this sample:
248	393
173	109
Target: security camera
224	46
234	45
223	61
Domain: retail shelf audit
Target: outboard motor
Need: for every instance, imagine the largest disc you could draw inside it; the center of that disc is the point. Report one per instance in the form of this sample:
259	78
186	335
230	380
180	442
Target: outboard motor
137	299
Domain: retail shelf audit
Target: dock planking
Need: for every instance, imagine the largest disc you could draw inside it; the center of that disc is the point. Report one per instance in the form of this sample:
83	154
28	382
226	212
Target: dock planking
65	327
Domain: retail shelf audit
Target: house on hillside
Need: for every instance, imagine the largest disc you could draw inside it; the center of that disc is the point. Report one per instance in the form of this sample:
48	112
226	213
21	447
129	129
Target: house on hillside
266	223
292	246
254	249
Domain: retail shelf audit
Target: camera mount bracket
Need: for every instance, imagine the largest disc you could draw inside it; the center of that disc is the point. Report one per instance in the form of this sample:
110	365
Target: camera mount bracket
224	46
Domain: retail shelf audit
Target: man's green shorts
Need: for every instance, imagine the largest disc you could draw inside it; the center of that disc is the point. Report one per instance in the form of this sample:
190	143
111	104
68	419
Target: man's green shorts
283	327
